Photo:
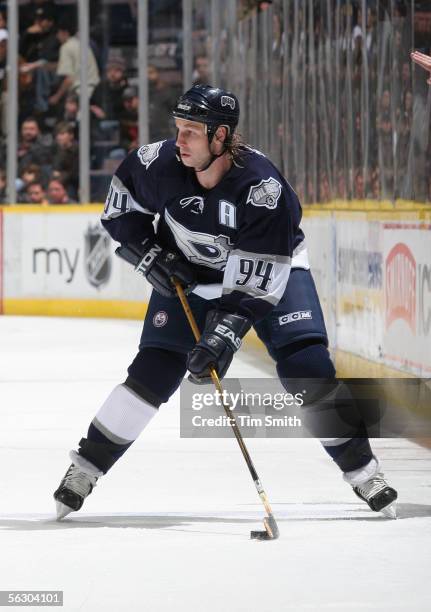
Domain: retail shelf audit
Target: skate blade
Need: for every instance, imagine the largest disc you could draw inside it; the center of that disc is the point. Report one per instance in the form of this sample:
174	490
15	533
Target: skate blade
62	510
390	511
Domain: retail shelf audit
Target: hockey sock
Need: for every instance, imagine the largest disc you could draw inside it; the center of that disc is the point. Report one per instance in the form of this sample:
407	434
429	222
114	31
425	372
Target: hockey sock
330	412
350	454
115	427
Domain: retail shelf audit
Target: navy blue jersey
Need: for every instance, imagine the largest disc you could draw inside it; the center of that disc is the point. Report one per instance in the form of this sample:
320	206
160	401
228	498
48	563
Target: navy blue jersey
242	234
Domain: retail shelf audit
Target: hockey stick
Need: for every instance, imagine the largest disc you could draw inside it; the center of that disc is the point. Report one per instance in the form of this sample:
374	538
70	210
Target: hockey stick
271	529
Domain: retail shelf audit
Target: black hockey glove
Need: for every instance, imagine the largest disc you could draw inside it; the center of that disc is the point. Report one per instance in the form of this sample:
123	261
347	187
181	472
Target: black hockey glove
220	339
158	265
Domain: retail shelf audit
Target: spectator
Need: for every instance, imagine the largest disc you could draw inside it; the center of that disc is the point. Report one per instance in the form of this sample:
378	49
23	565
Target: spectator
422	60
375	182
71	111
3	57
31	149
39	48
69	63
406	77
162	99
3	198
403	139
359	186
27	16
29	174
129	119
39	43
3	82
57	193
36	194
26	92
201	74
65	156
107	101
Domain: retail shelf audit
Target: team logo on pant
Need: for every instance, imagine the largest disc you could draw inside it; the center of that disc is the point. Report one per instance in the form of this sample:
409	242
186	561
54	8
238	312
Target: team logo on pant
148	153
265	194
97	255
160	318
295	316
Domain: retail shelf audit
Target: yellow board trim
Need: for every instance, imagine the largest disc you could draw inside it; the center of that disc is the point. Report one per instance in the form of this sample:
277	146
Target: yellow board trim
399	206
51	208
115	309
369	205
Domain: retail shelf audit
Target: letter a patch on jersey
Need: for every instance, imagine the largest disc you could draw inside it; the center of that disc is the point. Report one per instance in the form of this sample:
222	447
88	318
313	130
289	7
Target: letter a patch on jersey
148	153
265	194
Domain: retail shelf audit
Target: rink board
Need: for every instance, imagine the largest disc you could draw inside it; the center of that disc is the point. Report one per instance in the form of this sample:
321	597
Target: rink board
372	268
60	261
379	262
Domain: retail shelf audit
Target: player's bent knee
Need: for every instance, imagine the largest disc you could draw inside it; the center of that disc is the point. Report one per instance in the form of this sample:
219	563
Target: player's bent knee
307	364
155	374
329	410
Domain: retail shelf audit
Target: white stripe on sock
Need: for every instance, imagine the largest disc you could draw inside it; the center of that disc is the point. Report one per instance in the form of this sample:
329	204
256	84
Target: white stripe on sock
125	414
333	441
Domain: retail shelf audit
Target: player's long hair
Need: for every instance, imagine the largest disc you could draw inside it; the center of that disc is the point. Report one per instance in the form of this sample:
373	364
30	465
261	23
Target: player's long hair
236	146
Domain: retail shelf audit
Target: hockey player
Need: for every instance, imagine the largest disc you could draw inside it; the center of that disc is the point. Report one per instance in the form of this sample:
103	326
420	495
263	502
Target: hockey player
229	232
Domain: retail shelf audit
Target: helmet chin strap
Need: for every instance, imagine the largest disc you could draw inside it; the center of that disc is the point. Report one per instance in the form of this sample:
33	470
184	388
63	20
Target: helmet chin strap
212	159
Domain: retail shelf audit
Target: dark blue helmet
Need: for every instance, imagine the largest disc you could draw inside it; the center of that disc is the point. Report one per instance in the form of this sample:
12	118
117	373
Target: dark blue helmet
209	105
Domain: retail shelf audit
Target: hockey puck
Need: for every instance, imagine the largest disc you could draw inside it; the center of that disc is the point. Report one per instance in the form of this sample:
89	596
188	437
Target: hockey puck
260	535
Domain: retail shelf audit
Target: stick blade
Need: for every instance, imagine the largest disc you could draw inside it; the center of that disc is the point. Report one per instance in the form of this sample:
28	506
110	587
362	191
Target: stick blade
271	530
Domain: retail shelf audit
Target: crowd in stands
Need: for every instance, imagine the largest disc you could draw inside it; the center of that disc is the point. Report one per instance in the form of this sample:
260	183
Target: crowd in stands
365	122
48	111
343	114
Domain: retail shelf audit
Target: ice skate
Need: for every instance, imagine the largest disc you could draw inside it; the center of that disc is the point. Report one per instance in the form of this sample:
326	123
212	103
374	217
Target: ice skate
370	485
77	484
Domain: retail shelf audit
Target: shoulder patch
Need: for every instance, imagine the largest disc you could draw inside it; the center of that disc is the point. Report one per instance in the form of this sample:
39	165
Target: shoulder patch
148	153
266	193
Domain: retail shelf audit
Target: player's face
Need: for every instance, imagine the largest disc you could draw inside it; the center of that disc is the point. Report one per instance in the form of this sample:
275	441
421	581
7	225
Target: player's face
192	141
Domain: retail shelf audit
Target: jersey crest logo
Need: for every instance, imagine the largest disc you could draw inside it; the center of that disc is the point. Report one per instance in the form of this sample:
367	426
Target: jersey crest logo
97	255
228	101
148	153
196	204
265	194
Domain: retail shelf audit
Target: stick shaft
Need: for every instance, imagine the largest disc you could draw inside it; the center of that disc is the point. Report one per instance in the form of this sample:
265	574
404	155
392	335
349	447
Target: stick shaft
232	420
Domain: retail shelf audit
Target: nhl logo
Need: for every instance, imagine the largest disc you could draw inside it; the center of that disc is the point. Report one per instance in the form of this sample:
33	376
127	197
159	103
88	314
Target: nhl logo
97	256
265	194
160	318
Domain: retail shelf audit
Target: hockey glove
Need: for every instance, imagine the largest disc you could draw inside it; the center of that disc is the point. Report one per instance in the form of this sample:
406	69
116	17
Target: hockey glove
220	339
158	265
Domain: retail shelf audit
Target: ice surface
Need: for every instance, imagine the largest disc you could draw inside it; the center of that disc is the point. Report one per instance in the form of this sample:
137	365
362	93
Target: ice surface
168	528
